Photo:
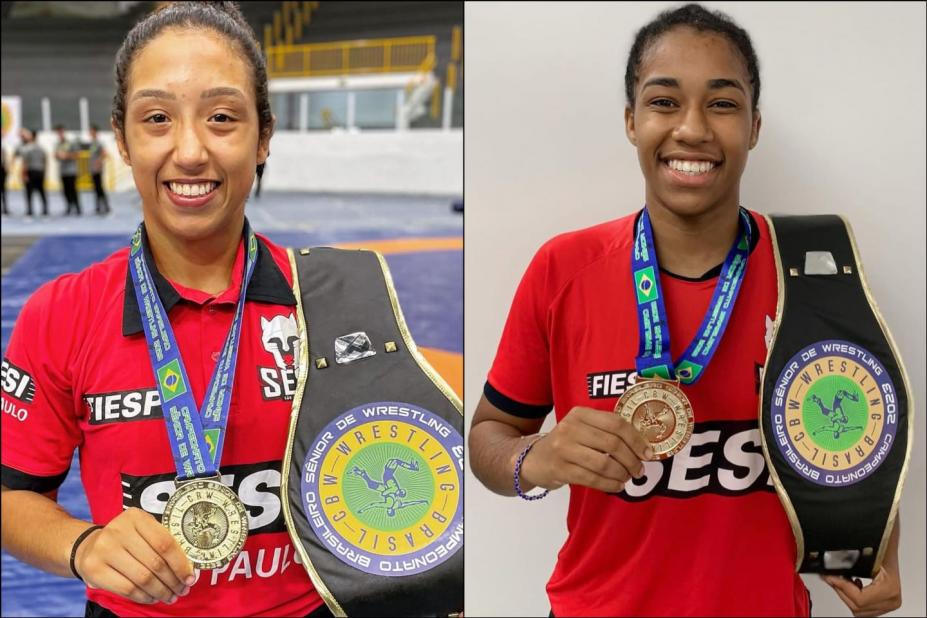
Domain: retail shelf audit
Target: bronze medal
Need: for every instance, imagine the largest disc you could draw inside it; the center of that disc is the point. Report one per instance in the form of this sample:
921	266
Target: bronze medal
661	412
208	520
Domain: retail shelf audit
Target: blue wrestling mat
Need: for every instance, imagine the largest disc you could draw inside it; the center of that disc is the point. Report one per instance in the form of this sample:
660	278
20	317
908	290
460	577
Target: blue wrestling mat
429	284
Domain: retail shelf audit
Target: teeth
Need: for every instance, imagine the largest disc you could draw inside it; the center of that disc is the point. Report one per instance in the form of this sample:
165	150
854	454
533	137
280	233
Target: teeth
691	167
194	190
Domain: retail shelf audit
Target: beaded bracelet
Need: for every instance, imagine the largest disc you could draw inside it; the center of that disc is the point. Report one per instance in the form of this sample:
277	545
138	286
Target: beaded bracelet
77	542
518	462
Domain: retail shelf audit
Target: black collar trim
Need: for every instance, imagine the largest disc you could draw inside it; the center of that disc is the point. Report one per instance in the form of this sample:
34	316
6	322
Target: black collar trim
267	285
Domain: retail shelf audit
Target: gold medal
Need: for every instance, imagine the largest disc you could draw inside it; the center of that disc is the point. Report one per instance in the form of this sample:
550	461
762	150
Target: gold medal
661	412
208	520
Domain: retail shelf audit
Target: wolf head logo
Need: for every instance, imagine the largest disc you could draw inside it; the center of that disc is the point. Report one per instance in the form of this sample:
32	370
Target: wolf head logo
280	337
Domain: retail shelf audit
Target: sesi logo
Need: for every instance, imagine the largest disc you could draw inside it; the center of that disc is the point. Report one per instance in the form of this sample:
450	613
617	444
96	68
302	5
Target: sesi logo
721	457
16	382
277	383
280	337
257	485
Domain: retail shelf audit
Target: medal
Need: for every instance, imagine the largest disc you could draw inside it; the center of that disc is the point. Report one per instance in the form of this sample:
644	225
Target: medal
660	412
657	406
208	520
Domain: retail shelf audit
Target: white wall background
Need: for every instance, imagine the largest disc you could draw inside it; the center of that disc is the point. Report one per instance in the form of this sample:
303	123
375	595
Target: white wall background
420	161
843	91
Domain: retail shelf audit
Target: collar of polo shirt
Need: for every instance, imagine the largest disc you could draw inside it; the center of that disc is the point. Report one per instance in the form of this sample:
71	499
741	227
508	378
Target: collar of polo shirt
268	285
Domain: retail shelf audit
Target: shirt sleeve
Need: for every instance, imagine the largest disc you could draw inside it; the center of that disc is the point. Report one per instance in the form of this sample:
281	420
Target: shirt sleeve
519	380
40	423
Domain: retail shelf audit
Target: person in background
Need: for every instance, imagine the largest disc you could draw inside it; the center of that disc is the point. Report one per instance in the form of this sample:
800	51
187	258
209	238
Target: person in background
33	157
97	156
66	153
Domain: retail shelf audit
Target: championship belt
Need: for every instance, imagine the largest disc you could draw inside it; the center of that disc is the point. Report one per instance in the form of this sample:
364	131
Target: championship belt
373	469
834	403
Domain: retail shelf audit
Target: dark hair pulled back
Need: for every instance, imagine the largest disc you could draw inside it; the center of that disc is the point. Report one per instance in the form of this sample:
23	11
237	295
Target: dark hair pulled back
225	19
702	20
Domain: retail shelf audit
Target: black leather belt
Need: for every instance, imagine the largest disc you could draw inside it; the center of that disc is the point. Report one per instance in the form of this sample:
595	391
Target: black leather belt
373	473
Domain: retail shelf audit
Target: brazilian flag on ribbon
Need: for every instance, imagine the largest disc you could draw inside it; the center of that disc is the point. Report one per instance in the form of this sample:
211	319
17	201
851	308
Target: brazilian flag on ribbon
688	371
170	376
645	284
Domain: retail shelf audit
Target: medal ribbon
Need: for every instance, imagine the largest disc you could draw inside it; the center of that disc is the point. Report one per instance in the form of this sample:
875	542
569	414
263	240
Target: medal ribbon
654	358
196	440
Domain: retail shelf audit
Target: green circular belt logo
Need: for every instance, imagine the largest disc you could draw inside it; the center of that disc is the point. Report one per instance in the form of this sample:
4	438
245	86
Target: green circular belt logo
385	491
835	413
388	486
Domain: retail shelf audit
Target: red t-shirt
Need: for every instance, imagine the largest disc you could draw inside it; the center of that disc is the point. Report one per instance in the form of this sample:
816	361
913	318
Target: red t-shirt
78	375
702	533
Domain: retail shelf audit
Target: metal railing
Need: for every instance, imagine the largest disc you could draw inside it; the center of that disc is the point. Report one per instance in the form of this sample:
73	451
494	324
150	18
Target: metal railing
394	55
288	23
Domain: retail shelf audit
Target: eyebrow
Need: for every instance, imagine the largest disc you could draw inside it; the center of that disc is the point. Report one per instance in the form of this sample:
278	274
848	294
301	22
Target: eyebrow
222	91
713	84
153	94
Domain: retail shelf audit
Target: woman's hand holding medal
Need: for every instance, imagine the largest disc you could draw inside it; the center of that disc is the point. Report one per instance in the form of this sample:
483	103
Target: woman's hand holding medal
135	557
588	447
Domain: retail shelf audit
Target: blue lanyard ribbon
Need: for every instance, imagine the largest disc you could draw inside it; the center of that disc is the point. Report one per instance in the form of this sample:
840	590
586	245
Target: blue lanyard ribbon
654	357
196	440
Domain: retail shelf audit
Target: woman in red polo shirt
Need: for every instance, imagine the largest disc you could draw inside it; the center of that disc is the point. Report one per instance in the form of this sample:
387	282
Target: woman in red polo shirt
193	120
696	530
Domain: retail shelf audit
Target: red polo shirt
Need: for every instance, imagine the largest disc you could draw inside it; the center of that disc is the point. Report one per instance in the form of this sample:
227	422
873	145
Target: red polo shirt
78	375
702	533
